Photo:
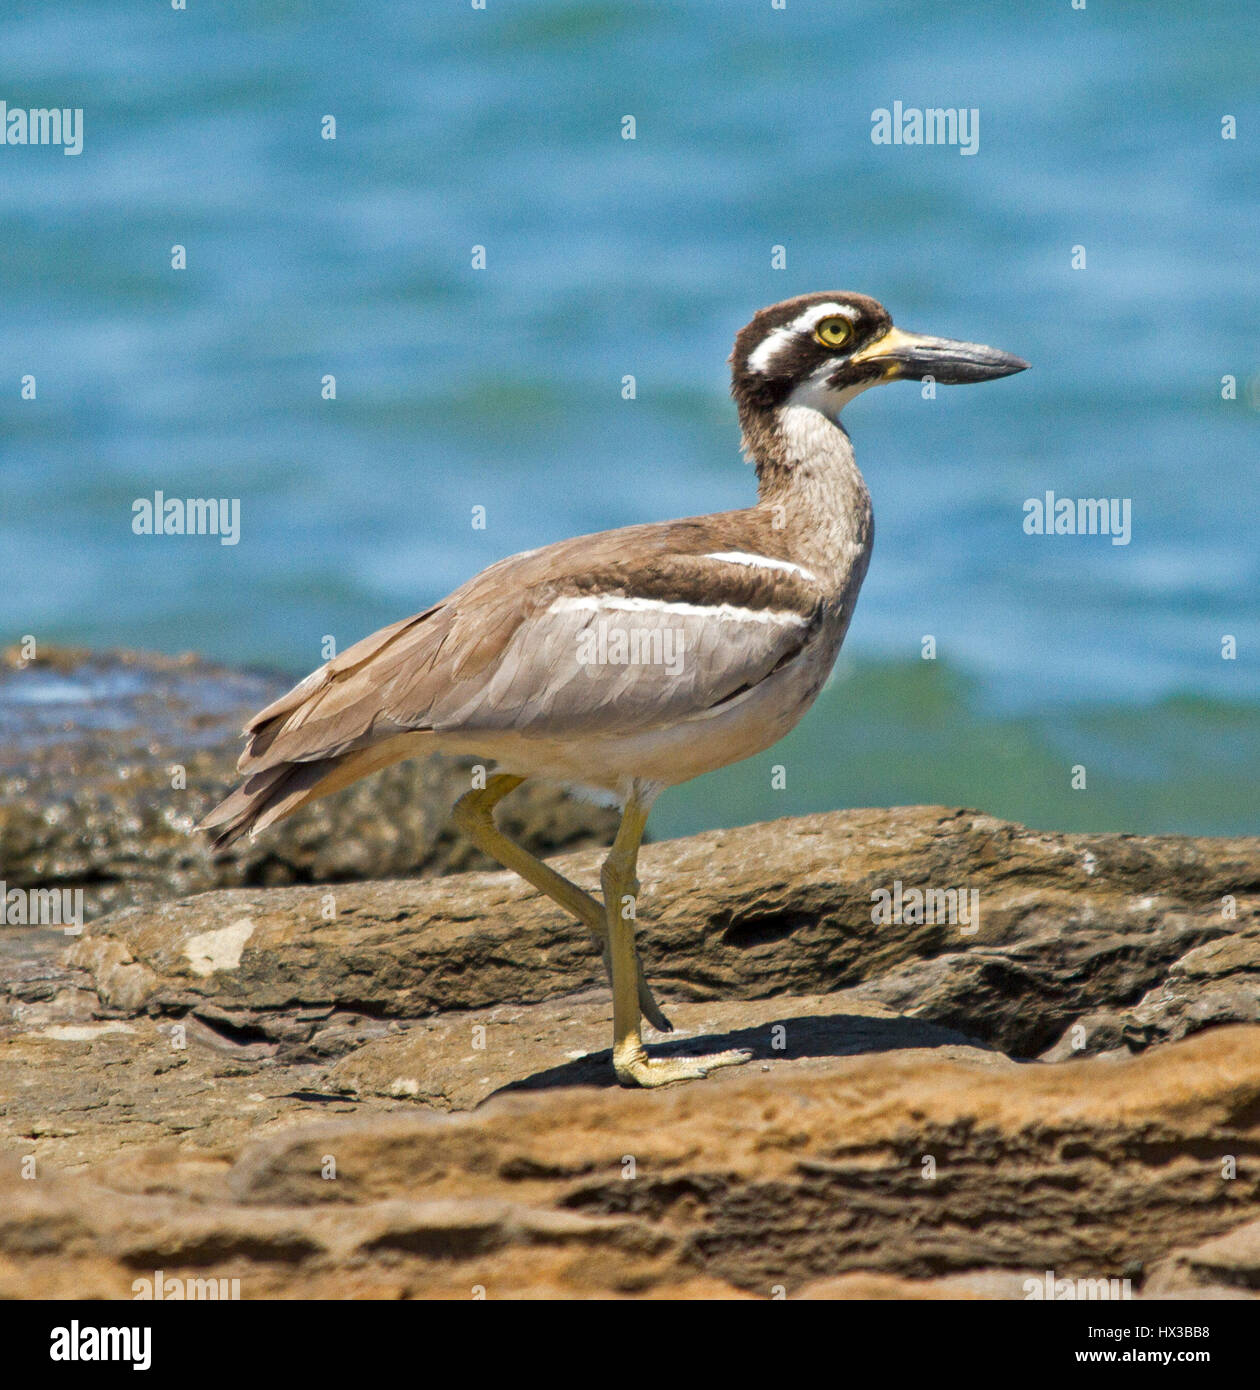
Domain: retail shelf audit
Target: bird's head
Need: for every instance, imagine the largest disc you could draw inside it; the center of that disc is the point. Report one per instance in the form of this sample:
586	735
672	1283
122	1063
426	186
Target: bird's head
821	350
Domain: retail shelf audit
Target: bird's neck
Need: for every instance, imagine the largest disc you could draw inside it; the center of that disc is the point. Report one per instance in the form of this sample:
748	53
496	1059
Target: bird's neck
808	480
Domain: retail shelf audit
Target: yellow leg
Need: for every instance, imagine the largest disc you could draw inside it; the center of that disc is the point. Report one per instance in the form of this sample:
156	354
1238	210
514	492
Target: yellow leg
621	887
474	814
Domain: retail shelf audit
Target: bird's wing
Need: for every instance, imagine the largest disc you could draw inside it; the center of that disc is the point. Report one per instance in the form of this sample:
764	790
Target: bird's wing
622	631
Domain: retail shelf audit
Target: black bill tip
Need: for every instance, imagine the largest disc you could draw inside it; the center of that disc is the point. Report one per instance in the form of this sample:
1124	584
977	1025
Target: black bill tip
955	363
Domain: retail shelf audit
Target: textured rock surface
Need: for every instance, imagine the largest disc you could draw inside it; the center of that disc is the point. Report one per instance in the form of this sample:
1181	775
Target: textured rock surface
87	1088
91	744
1218	982
1231	1261
188	1077
910	1174
1069	927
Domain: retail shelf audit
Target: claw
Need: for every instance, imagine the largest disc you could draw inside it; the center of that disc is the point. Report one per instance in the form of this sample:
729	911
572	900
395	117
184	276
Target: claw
652	1011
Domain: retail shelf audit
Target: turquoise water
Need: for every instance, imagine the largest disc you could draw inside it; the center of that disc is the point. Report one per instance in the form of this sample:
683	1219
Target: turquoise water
501	388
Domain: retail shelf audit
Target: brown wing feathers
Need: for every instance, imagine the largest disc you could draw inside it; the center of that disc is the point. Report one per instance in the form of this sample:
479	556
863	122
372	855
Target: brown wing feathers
360	711
363	709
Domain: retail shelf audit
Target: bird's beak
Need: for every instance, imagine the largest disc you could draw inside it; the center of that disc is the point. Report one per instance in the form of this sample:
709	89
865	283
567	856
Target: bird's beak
952	363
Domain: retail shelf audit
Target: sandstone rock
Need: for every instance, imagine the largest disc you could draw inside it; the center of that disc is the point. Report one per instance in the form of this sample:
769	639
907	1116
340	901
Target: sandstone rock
1215	983
457	1060
401	1089
1069	925
753	1181
87	1089
1230	1262
1012	1285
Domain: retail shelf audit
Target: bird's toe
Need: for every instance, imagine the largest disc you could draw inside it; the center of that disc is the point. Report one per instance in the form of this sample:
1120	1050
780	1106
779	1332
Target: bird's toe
642	1070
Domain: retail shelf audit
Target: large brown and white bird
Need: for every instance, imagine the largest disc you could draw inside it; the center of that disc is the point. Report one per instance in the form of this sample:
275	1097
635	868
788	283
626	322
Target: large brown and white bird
631	660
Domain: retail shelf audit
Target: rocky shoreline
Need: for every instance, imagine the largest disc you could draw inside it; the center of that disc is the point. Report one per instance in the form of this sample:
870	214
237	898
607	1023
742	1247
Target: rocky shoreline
399	1086
108	760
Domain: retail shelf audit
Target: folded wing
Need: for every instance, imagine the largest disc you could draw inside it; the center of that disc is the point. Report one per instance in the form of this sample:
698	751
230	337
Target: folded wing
619	632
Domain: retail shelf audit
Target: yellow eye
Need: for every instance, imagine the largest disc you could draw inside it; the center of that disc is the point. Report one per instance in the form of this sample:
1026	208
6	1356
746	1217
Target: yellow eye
833	332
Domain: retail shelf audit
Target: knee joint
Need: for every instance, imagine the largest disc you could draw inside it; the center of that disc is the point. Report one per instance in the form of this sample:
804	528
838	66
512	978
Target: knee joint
471	813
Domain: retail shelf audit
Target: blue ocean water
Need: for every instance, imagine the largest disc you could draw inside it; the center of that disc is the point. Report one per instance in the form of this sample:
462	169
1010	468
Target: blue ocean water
501	388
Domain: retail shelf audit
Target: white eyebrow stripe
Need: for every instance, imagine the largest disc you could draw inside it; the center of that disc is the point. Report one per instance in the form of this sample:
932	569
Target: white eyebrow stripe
822	311
724	611
741	557
760	358
764	353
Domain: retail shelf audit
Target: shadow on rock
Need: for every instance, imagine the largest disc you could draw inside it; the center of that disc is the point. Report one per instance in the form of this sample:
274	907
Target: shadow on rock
812	1036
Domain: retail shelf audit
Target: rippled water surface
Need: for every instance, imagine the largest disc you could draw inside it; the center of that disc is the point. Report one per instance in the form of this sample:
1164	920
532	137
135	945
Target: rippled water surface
502	388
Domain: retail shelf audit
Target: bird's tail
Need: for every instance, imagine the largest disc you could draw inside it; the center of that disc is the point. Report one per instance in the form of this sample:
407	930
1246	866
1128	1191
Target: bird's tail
265	798
275	792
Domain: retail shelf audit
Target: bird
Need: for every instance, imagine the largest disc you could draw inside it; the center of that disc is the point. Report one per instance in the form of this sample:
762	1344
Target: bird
632	660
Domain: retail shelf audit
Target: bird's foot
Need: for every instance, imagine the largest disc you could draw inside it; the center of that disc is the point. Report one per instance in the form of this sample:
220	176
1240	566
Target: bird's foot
636	1068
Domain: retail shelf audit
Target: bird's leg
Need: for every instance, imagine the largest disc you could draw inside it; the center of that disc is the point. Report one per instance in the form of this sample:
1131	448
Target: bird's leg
474	814
621	887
